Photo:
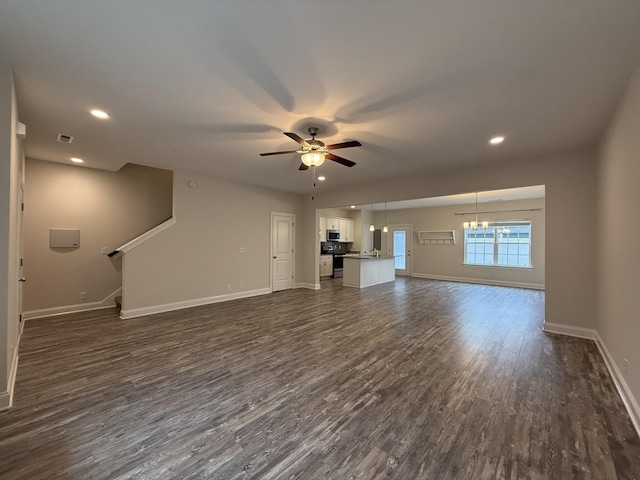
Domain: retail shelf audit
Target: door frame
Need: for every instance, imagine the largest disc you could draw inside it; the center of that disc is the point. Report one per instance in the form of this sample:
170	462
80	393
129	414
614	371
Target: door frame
292	216
409	228
21	255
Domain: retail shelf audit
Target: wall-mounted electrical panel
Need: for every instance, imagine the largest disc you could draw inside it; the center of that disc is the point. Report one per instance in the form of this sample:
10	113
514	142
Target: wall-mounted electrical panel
64	238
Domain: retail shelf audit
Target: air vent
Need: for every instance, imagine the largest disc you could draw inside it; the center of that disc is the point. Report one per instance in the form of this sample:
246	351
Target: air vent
62	138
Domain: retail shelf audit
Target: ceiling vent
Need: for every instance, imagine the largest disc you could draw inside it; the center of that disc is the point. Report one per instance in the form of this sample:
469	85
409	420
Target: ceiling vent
62	138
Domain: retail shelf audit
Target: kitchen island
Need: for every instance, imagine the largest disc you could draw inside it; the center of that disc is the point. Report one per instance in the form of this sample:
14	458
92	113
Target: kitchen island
366	270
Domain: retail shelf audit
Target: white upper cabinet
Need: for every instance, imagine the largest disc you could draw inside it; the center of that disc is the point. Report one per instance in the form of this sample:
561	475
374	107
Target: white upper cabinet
346	226
346	230
333	223
323	229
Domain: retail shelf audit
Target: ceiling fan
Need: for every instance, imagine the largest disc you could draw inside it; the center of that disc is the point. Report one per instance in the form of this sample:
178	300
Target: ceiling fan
314	152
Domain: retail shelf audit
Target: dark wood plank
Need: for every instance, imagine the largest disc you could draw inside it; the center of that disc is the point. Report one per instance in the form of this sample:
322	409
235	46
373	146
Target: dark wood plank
413	380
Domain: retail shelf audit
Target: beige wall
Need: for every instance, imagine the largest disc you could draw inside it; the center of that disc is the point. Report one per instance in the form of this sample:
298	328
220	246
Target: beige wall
11	171
193	261
109	208
570	190
337	212
446	261
619	239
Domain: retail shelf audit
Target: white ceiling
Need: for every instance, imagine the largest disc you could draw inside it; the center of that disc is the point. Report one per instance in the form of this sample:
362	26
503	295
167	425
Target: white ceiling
204	86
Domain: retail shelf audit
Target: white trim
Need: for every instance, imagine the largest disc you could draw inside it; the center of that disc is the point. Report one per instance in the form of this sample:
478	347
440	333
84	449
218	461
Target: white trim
127	247
310	286
6	398
512	267
481	281
630	402
169	307
107	302
625	392
570	330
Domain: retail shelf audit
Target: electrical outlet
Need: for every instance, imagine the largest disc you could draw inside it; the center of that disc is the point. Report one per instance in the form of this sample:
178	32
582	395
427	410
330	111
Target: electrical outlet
242	250
103	250
241	285
228	287
83	295
626	365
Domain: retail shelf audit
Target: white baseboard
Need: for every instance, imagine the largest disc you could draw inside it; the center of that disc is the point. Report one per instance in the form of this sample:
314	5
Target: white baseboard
497	283
628	399
569	330
6	398
107	302
630	402
168	307
310	286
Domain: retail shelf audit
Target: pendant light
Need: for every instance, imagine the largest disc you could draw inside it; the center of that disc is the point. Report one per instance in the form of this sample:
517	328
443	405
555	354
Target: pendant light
474	225
372	226
385	229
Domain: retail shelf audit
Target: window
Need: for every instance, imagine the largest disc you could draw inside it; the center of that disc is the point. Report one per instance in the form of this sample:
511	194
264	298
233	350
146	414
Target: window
505	244
399	249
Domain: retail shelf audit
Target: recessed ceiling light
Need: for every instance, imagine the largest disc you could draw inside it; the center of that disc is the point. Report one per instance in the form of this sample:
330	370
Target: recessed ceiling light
77	160
496	140
353	206
322	178
100	114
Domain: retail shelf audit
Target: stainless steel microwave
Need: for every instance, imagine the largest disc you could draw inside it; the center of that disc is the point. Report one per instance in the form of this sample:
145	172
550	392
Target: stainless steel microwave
333	235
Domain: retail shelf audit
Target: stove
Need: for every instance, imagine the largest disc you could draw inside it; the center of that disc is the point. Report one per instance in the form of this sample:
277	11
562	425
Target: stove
338	264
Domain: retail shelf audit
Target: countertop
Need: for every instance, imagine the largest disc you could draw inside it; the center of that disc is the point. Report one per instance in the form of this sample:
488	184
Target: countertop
368	257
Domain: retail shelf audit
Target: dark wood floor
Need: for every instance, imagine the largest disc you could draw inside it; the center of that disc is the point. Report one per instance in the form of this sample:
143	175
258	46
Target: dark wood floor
413	380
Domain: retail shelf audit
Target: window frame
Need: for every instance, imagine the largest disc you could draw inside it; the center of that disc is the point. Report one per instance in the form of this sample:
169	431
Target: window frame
495	244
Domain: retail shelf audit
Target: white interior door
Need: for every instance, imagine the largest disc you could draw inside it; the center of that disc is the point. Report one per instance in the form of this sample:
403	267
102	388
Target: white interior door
400	240
282	251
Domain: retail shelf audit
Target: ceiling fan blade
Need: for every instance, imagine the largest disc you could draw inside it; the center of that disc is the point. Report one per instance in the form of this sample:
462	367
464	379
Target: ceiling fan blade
297	138
340	160
277	153
353	143
303	166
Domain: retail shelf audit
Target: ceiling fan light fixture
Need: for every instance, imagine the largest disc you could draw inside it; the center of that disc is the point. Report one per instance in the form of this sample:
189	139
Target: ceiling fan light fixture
312	159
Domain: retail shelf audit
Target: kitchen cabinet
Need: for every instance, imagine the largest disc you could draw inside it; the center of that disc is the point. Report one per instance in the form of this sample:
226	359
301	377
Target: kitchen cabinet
346	230
346	226
333	223
326	265
323	229
364	271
